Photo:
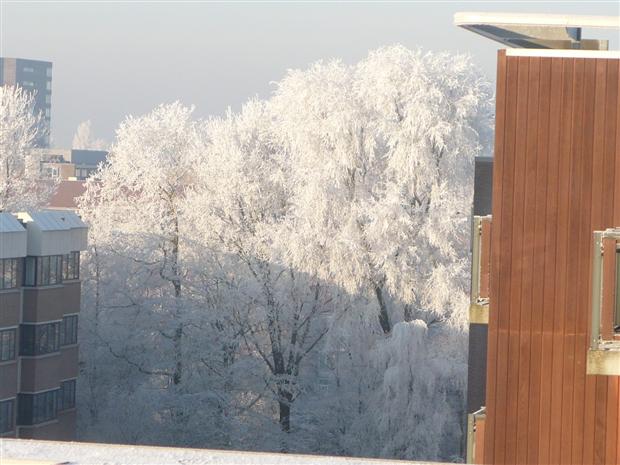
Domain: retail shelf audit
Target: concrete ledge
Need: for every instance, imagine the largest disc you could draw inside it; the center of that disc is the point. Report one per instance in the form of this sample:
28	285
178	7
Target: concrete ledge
479	313
603	362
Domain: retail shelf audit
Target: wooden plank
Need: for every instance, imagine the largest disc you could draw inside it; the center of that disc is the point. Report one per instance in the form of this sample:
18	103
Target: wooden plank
597	223
611	422
612	159
618	428
517	258
479	451
502	302
528	273
614	80
539	263
576	155
498	183
601	406
583	270
562	246
553	181
600	419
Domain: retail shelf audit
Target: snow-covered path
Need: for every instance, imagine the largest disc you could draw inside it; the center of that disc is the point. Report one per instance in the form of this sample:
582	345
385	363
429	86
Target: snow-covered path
76	453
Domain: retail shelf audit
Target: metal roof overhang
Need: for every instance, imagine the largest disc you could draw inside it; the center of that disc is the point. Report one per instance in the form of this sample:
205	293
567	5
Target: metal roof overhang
542	31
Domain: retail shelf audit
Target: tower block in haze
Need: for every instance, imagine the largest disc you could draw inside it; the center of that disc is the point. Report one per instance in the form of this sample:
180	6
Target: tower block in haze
546	263
36	77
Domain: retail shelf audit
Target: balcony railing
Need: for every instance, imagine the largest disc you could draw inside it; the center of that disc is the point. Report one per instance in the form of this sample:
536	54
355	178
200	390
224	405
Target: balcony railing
475	436
480	270
604	353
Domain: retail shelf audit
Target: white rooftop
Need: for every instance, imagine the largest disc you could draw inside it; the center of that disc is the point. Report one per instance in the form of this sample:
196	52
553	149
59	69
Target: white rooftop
8	223
79	453
531	19
12	237
54	232
542	31
49	220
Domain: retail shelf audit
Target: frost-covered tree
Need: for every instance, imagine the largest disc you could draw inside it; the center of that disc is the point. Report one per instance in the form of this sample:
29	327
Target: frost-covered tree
383	172
384	167
21	183
292	276
85	139
135	206
245	219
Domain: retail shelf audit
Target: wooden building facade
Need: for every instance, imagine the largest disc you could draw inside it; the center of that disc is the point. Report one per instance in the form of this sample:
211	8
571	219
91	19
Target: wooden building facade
556	180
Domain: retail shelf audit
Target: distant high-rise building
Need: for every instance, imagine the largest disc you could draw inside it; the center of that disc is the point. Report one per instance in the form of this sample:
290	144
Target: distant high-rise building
34	76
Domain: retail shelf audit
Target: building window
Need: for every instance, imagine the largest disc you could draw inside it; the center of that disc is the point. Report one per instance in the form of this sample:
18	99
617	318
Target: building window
27	69
71	266
37	408
28	83
48	113
51	172
68	330
48	85
8	273
7	344
48	99
43	271
6	415
39	339
66	397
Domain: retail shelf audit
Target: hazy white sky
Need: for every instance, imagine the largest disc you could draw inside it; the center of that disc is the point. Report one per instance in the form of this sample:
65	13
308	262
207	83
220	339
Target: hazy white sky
112	59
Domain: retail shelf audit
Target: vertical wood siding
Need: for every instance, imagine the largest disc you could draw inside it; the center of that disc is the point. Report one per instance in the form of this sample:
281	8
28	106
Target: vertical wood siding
556	179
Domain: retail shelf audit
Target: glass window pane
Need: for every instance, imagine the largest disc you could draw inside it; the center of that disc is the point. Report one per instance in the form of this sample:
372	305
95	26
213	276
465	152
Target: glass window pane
66	267
6	416
66	396
27	337
7	345
53	277
45	271
29	272
15	272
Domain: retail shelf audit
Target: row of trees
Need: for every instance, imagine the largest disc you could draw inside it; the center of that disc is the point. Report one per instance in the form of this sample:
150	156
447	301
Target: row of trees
21	184
292	276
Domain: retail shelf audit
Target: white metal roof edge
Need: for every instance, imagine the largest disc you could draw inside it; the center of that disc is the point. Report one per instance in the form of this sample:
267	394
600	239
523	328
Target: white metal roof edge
10	224
561	53
70	218
534	19
53	220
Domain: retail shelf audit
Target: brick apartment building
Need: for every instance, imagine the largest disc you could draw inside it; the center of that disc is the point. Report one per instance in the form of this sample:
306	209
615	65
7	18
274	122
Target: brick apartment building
39	307
70	164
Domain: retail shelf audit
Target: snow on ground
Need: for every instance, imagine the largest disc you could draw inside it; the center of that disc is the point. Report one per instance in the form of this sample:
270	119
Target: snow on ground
76	453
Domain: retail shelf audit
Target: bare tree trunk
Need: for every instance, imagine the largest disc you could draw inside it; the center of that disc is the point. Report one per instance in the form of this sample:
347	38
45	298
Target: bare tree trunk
284	404
178	332
93	377
384	317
